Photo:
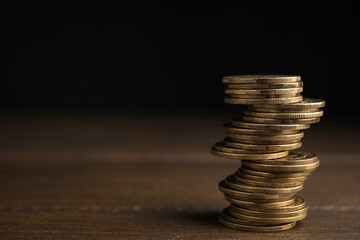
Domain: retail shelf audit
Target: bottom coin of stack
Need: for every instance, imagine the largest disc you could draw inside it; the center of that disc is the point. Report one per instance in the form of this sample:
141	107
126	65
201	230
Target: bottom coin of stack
262	193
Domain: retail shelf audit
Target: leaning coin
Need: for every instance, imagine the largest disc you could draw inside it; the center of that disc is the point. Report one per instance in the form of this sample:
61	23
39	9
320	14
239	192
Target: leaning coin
265	85
263	96
263	91
270	180
276	110
284	137
268	126
281	115
298	204
281	168
233	129
266	205
248	156
261	79
293	158
265	214
262	147
274	175
266	183
306	103
280	121
225	214
251	101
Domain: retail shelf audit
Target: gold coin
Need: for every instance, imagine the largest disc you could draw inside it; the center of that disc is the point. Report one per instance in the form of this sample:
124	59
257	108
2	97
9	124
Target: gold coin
293	158
279	178
284	91
258	205
280	121
297	204
262	214
251	196
284	137
266	220
284	115
251	101
265	85
276	110
306	103
281	168
241	96
274	175
232	183
253	228
225	214
261	79
262	147
266	183
264	142
221	146
232	129
268	126
248	156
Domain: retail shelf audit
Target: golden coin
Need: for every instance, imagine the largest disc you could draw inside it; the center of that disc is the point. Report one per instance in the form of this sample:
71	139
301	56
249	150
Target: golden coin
284	91
262	147
274	175
281	115
268	126
264	142
279	178
266	183
306	103
276	110
221	146
293	158
253	228
261	79
251	101
284	137
297	204
259	205
232	183
266	220
281	168
248	156
266	214
280	121
225	214
251	196
263	96
232	129
265	85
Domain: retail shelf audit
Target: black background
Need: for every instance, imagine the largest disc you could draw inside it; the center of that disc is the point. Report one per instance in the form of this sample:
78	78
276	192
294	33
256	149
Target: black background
150	57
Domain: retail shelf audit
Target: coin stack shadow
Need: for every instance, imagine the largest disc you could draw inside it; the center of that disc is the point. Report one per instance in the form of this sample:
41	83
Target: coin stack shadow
262	193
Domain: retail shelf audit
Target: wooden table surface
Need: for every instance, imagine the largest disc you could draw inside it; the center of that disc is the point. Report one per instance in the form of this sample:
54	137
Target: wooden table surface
148	177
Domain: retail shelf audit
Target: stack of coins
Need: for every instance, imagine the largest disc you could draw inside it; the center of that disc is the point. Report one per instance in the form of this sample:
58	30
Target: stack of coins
262	192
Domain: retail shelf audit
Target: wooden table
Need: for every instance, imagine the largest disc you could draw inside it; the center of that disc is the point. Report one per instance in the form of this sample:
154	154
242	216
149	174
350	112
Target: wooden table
148	177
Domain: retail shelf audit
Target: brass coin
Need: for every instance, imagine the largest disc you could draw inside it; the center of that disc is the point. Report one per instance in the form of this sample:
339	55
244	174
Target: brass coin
247	131
273	175
268	126
280	121
225	215
248	156
261	79
253	228
232	183
276	110
264	142
297	204
306	103
252	101
266	220
266	183
221	147
281	168
264	214
279	178
265	85
258	205
284	137
241	96
284	115
293	158
262	147
284	91
251	196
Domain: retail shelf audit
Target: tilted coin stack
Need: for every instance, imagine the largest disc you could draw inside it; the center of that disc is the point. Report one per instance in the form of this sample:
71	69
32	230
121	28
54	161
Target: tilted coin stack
262	193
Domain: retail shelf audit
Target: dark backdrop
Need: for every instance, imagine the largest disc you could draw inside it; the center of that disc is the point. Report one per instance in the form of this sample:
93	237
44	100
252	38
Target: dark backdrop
162	57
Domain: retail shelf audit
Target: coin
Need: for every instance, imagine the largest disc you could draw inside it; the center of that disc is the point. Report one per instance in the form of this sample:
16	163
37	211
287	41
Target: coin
248	156
281	168
256	205
273	175
264	91
262	147
297	204
225	221
306	103
280	121
265	85
261	79
266	220
284	115
256	213
263	96
266	183
277	110
233	129
268	126
231	182
225	214
247	174
283	137
293	158
251	101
